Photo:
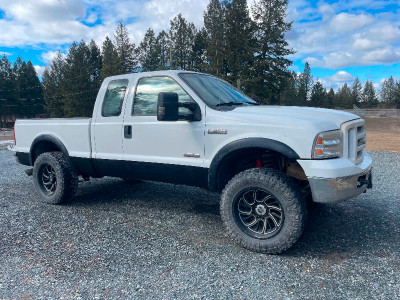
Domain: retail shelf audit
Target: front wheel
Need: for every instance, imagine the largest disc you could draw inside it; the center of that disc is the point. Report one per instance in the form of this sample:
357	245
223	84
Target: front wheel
263	210
54	178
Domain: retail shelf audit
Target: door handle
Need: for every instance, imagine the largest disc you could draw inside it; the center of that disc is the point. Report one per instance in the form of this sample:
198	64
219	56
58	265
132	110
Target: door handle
128	131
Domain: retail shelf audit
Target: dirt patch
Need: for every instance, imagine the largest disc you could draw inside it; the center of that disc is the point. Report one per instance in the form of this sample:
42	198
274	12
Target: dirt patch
383	134
384	125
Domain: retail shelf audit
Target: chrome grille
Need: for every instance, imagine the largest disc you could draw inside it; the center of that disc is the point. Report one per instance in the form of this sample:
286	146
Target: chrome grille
354	140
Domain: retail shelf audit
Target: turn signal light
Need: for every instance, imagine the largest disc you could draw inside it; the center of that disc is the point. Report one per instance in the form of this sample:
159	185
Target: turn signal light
319	152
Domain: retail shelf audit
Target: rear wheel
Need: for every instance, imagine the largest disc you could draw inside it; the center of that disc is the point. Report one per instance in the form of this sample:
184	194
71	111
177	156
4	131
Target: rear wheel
54	178
263	210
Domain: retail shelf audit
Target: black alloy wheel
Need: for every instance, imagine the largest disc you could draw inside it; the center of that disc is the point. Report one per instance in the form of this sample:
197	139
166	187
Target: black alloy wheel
258	213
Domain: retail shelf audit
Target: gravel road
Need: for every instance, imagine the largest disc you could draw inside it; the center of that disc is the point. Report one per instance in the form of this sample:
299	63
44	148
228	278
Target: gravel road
161	241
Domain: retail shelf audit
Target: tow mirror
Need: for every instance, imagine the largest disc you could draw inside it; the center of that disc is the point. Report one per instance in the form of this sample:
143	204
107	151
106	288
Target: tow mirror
168	108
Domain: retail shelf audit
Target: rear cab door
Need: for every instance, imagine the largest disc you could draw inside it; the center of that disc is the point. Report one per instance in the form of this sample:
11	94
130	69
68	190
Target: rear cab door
107	125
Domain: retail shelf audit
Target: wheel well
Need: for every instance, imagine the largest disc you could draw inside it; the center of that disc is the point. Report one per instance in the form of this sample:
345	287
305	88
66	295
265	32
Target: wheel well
248	158
42	147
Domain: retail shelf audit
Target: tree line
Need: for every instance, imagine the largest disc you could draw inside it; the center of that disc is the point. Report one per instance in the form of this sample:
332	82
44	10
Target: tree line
249	52
21	93
302	90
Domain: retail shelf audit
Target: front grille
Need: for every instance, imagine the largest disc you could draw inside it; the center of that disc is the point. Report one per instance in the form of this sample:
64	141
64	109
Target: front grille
354	140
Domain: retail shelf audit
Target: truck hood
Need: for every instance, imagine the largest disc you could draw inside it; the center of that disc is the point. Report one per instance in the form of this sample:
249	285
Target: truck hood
324	119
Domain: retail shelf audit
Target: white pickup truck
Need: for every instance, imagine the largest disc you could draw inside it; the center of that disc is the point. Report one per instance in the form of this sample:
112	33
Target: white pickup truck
195	129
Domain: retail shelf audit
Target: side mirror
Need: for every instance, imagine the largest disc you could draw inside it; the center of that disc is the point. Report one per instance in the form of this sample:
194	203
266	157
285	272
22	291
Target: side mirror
167	107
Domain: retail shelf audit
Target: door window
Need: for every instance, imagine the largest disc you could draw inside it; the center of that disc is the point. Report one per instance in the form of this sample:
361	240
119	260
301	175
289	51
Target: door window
114	98
146	96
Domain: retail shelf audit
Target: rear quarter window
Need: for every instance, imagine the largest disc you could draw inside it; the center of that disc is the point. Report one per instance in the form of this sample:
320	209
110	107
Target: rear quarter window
114	98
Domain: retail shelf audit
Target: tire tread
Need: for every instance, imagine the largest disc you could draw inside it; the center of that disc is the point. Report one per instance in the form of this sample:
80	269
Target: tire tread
68	180
286	187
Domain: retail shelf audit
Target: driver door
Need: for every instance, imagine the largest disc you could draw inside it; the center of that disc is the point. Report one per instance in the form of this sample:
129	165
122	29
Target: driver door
160	146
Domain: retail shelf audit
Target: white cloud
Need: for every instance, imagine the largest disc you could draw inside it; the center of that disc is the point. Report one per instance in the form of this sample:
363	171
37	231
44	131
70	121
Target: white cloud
336	39
30	22
334	60
59	22
43	10
337	80
342	76
344	22
39	70
385	55
91	18
47	57
325	9
362	43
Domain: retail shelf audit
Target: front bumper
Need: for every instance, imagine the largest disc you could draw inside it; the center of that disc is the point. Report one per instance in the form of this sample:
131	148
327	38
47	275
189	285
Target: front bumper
343	180
334	190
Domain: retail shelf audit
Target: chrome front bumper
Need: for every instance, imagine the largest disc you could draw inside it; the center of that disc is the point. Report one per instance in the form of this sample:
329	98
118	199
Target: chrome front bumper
334	190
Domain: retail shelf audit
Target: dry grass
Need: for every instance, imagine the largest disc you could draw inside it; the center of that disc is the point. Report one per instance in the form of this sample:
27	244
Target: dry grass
383	134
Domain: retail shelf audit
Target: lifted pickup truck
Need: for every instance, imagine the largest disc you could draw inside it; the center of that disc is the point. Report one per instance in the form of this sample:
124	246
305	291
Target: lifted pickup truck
195	129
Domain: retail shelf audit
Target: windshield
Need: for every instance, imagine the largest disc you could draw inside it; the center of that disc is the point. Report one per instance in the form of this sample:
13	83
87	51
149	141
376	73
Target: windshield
216	92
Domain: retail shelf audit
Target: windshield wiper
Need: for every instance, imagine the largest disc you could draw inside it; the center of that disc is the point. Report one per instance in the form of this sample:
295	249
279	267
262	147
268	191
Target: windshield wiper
231	103
252	103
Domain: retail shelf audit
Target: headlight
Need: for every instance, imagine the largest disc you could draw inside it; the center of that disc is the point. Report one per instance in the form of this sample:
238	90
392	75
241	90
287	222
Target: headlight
328	144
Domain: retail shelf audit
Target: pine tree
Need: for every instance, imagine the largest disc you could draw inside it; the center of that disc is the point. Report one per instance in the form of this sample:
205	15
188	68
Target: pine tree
370	98
8	91
109	60
163	50
305	85
271	63
148	52
52	81
288	95
127	61
330	98
30	91
318	95
18	73
94	70
78	91
182	35
356	92
388	95
17	66
239	40
199	52
214	23
343	97
397	95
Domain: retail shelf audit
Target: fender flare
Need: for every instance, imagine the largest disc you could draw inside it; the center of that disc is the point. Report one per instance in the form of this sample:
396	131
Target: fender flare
47	138
243	144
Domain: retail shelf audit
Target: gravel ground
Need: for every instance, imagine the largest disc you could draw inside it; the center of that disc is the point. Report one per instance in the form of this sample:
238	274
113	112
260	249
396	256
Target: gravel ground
156	241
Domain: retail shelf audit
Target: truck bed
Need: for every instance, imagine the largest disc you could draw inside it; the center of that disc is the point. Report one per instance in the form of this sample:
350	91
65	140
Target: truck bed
74	133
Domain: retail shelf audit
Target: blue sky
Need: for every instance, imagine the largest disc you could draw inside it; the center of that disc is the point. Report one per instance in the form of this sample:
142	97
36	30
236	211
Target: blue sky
340	39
